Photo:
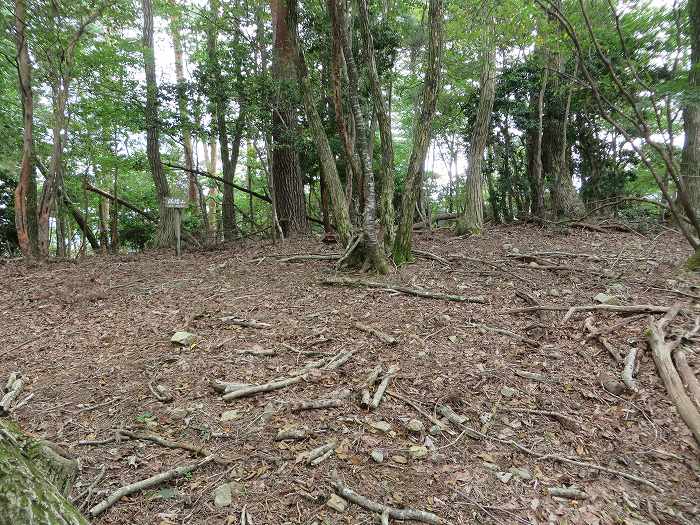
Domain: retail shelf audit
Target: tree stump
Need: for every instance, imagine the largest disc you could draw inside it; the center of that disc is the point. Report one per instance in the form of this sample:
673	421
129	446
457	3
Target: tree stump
35	479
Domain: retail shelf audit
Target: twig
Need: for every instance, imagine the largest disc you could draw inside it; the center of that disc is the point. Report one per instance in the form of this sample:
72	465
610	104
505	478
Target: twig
267	387
159	440
496	330
429	255
146	483
596	334
246	323
633	309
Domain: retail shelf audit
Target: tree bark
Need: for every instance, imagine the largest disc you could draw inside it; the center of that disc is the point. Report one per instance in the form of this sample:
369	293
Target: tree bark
286	173
535	151
175	21
329	177
385	181
371	251
472	220
421	133
35	480
690	160
23	209
165	234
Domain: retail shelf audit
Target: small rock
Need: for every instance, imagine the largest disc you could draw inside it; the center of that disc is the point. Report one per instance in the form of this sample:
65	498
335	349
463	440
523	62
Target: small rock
382	426
399	459
337	503
435	430
617	287
230	415
183	338
418	451
377	455
415	425
504	477
567	492
508	392
485	418
554	292
604	298
521	473
222	495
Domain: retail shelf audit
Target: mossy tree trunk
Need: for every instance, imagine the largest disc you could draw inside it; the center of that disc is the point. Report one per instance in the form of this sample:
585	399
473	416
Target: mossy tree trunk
35	479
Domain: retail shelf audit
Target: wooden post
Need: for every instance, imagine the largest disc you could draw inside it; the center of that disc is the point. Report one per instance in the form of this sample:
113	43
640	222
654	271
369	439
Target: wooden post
177	204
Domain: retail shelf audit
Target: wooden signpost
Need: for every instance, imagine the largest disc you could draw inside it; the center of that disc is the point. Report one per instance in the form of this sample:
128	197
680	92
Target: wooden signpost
177	204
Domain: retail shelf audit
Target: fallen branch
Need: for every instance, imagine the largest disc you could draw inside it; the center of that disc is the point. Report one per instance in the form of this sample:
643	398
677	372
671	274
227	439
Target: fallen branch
267	387
628	371
385	338
596	332
222	387
432	256
661	351
632	309
319	454
145	484
246	323
484	328
319	404
567	422
421	411
339	360
374	506
167	443
347	281
301	258
379	394
365	396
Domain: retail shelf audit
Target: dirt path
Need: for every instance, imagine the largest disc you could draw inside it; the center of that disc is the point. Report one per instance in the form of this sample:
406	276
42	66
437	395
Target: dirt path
96	333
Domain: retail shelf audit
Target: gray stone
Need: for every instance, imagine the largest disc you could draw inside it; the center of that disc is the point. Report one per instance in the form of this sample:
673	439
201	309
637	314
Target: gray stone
222	495
418	451
435	430
508	392
337	503
604	298
183	338
504	477
377	455
230	415
554	292
399	459
415	425
382	426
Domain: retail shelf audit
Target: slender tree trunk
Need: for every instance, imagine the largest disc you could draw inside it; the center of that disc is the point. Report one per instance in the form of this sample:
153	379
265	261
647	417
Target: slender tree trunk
385	181
535	151
472	220
23	209
690	160
371	252
114	215
165	234
329	171
175	21
286	173
421	133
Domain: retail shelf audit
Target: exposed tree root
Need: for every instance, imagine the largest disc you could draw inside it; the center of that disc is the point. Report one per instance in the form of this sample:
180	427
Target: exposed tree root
661	351
347	281
688	376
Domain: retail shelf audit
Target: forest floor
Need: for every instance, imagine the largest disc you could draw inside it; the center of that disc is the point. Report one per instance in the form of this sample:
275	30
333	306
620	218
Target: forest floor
96	332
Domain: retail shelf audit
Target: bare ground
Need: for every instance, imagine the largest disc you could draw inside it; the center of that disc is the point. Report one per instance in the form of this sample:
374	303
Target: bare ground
96	332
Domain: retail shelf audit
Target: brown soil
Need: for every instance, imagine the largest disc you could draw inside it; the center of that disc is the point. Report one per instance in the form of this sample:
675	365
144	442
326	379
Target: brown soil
96	332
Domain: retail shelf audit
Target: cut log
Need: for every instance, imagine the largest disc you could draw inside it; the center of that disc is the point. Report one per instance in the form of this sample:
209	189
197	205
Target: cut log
661	351
379	394
267	387
35	480
362	283
628	371
366	397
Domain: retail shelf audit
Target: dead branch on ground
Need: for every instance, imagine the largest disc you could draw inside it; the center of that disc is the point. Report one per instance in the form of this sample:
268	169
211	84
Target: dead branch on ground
360	283
379	394
485	328
385	338
594	333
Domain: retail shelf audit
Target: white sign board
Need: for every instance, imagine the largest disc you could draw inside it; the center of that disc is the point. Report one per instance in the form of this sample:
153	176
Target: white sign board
174	202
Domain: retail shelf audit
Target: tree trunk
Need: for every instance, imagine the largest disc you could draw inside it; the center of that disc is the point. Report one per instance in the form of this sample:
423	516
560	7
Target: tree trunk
165	234
286	174
23	208
472	219
35	479
80	221
690	161
421	133
175	21
330	179
535	151
104	223
385	181
371	252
